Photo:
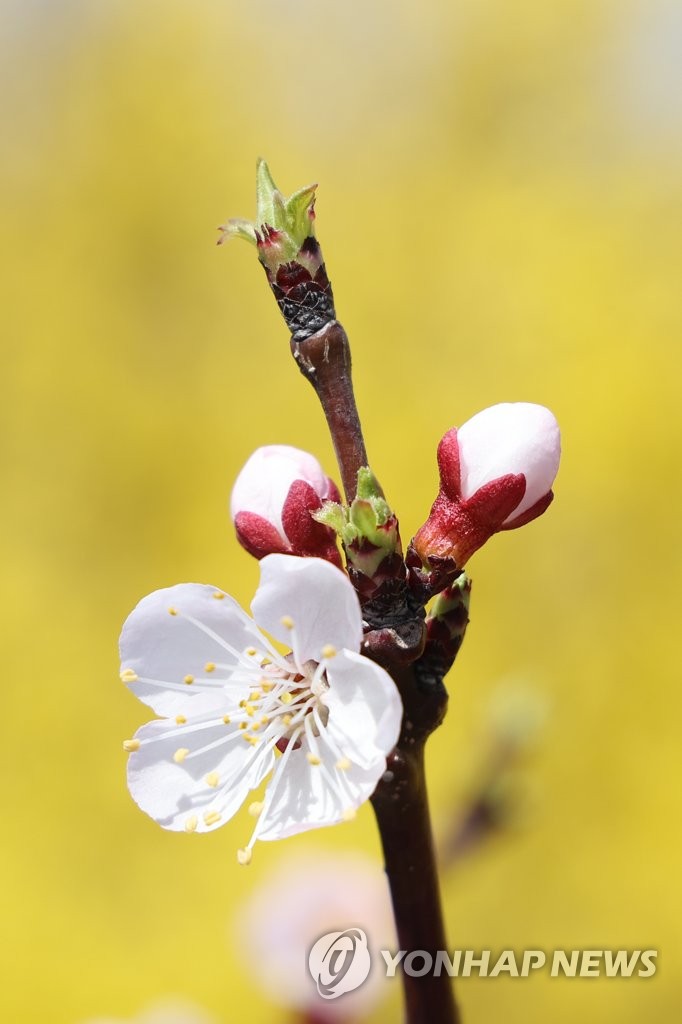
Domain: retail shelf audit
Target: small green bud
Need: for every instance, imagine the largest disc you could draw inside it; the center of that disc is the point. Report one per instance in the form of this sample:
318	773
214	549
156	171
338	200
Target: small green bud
368	528
284	234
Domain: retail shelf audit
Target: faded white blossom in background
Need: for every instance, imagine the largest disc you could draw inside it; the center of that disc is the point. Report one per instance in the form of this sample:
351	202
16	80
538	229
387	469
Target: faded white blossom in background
305	896
165	1011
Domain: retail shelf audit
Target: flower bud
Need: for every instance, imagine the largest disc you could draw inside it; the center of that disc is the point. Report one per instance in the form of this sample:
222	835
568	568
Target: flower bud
496	473
272	503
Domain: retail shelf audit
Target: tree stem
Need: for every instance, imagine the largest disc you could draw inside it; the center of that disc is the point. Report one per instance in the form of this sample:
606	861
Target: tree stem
400	799
324	359
402	812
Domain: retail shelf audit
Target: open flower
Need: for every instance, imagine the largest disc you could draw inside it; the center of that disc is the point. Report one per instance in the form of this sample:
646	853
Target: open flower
319	721
496	473
272	503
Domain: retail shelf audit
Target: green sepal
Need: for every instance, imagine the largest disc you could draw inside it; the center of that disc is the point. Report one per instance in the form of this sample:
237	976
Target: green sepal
292	218
454	597
368	528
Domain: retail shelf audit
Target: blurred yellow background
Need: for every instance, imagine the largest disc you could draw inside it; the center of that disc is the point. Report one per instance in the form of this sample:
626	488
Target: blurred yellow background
500	205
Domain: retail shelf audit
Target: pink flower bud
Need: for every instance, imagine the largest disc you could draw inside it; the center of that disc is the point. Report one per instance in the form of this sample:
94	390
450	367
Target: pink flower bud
272	501
496	473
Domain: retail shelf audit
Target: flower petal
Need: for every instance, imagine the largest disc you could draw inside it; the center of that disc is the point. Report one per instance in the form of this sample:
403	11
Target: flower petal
182	649
365	709
313	796
195	777
316	597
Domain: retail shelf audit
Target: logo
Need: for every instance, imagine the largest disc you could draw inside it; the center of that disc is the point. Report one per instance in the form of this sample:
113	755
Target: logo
339	962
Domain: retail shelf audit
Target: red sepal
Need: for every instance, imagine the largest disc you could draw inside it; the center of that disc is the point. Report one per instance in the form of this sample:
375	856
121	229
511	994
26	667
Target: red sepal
258	536
531	513
456	529
490	505
448	465
306	535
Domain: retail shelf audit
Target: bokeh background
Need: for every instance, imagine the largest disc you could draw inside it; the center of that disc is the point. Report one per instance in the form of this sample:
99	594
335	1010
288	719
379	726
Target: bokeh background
500	209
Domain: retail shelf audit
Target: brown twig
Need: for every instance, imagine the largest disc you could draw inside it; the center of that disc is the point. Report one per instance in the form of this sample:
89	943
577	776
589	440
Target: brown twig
324	359
400	800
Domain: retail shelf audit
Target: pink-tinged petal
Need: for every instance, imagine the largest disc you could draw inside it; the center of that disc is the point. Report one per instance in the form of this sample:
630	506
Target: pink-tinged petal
258	536
181	649
365	709
308	604
510	438
194	777
265	480
313	796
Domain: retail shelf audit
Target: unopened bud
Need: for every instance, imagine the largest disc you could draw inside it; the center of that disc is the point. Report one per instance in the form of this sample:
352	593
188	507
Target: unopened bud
496	473
274	500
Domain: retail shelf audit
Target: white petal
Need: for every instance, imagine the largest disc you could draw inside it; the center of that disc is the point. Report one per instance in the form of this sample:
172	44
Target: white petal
365	709
173	635
263	484
312	796
513	437
316	597
173	793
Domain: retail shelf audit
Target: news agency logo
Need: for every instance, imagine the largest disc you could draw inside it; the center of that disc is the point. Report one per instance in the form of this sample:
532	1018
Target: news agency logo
339	962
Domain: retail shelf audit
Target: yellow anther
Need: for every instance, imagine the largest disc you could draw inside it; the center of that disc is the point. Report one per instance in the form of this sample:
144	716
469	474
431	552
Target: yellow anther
253	740
329	651
255	696
343	764
172	611
244	856
287	621
191	823
255	726
218	594
251	651
131	745
265	661
211	817
212	779
242	703
188	680
180	755
264	720
349	814
209	666
286	719
286	697
250	710
180	719
243	725
267	687
255	808
128	676
313	758
226	719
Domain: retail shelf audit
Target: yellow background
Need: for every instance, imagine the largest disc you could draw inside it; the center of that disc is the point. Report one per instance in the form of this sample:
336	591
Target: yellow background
499	209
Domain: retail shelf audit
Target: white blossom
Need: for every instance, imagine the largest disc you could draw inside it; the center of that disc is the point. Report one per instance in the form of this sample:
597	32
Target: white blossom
318	721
